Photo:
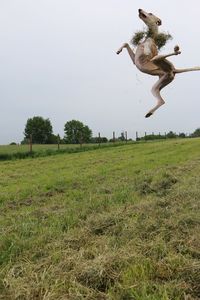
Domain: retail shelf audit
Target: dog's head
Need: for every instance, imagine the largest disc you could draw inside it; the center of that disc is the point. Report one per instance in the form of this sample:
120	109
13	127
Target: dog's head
149	19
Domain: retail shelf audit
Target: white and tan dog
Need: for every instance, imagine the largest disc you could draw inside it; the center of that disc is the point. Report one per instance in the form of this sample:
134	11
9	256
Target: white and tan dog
148	61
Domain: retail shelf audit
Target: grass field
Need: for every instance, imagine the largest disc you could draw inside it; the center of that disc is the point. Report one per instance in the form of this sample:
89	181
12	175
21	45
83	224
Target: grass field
13	149
115	223
12	152
24	148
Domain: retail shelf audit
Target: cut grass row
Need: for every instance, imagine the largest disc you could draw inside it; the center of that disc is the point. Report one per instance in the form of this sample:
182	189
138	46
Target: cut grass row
119	223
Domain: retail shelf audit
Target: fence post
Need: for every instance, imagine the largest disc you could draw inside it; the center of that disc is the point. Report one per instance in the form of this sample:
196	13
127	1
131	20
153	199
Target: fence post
58	141
113	137
136	136
126	136
31	143
81	140
99	139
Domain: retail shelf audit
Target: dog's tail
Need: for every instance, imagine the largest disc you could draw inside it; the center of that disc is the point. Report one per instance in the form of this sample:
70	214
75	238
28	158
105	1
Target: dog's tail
177	71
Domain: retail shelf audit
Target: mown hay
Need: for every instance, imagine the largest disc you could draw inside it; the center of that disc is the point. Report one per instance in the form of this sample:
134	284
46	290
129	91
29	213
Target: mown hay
161	38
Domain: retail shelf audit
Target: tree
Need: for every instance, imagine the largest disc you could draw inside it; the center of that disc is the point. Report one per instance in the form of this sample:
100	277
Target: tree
196	133
54	139
96	140
171	135
182	135
148	137
122	137
40	129
76	132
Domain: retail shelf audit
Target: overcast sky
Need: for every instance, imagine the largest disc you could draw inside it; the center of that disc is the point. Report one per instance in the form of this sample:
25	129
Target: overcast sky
58	61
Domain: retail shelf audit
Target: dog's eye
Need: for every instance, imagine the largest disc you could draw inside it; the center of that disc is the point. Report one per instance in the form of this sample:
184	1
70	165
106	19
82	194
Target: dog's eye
150	14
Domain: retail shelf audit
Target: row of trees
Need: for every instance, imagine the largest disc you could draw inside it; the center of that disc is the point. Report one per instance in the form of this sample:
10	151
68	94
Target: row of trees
170	135
75	132
41	132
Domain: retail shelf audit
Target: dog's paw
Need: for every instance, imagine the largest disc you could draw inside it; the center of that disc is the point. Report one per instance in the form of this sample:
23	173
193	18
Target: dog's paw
148	115
177	50
119	51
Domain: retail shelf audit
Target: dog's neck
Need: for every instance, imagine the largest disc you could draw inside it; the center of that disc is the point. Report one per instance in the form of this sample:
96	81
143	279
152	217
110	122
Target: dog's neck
152	31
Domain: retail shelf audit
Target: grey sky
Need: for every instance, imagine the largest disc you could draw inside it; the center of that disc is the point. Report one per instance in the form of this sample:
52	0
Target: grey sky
57	60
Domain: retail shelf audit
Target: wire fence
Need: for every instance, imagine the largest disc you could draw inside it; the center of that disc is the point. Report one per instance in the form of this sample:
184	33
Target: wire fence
32	149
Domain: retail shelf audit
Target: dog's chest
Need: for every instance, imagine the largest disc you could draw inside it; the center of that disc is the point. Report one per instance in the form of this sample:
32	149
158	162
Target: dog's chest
148	48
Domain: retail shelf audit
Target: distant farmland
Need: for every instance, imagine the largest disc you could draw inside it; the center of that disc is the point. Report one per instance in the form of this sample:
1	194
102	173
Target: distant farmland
119	223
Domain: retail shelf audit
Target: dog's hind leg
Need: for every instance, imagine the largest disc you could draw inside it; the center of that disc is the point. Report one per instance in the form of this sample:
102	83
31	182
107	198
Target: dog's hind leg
160	84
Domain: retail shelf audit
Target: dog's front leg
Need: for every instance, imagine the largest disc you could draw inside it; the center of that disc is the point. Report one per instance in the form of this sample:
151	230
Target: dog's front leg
130	51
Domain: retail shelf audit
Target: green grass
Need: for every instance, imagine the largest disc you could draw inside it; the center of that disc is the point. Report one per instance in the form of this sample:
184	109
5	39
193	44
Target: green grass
118	223
9	149
12	152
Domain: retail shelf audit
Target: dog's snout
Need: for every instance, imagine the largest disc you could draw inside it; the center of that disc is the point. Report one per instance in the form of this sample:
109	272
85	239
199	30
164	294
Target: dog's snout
159	22
139	10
